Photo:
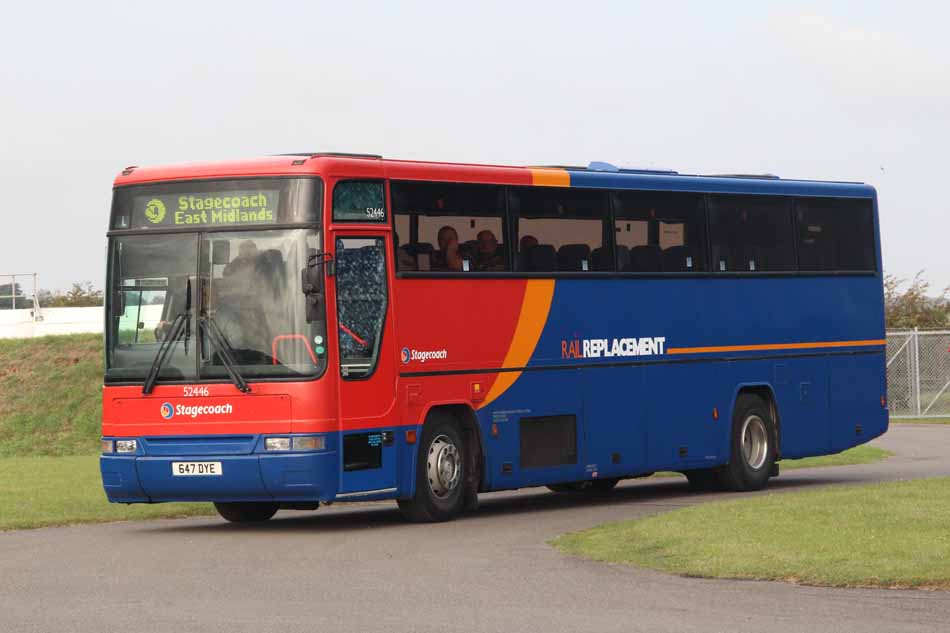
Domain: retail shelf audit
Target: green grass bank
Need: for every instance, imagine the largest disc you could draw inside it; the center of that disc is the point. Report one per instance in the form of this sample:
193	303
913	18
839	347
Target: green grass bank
51	390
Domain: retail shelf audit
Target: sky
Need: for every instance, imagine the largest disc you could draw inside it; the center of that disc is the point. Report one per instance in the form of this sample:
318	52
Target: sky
812	90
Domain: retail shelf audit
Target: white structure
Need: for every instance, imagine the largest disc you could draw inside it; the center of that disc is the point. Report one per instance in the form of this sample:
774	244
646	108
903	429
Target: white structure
26	324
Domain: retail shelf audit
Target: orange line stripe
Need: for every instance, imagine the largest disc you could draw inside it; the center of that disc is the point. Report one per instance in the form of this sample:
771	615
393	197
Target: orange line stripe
773	346
550	177
535	307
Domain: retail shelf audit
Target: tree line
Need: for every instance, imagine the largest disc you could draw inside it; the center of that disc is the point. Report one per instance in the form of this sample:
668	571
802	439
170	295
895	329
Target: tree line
80	295
907	303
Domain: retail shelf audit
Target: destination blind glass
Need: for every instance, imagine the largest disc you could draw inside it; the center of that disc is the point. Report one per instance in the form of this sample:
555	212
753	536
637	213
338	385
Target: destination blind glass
245	202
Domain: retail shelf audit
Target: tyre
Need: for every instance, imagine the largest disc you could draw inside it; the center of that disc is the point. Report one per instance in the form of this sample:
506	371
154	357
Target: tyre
246	512
440	473
753	445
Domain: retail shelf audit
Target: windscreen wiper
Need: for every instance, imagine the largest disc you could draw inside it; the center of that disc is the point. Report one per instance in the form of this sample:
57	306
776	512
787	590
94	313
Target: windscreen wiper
225	352
174	333
182	322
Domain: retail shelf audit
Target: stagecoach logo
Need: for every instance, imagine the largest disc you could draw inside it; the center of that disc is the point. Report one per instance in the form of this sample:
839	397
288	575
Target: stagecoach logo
169	411
422	356
155	212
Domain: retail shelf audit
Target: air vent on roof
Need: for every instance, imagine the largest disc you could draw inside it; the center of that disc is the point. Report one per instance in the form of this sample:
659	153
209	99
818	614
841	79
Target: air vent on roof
647	170
608	167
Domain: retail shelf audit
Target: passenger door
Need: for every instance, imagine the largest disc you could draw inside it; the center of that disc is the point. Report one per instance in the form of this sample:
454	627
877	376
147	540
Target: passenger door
367	372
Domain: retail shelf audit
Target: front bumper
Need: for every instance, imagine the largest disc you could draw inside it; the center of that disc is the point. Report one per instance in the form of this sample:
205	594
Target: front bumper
280	477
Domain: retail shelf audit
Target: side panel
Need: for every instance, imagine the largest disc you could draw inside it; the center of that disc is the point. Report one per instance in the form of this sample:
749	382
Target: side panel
856	389
616	409
566	346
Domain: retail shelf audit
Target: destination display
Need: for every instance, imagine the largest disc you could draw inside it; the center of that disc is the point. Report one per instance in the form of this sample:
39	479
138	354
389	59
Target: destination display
246	206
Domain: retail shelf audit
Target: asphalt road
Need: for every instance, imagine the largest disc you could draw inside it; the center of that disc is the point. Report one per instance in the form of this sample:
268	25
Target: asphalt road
360	568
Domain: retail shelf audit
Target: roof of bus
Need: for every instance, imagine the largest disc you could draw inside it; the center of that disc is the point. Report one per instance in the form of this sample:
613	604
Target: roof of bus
599	175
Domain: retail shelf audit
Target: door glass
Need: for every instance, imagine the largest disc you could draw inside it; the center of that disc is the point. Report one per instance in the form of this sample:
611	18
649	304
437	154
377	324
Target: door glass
361	302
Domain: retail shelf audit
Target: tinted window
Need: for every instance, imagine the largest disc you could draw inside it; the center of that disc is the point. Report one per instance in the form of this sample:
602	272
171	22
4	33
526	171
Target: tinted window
751	233
359	201
659	231
449	227
559	229
361	302
835	234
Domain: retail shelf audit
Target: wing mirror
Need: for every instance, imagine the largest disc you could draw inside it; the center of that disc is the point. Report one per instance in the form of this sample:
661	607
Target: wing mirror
312	281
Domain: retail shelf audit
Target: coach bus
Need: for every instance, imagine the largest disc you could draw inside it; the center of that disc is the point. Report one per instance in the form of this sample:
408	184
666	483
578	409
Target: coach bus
312	328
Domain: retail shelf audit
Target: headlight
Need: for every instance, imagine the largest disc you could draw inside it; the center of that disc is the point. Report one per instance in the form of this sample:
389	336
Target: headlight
277	444
107	446
125	446
310	443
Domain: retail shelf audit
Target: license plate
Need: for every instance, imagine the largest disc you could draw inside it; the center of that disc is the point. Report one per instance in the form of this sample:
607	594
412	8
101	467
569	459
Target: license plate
186	469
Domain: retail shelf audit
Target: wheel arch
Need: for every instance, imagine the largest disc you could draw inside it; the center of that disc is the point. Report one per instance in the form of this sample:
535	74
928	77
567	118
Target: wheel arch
765	391
464	414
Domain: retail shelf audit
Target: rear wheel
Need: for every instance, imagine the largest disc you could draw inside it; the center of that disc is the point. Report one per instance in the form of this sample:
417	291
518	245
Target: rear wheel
753	445
440	473
246	512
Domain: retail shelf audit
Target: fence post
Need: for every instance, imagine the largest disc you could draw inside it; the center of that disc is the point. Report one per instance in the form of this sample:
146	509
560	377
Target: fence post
917	368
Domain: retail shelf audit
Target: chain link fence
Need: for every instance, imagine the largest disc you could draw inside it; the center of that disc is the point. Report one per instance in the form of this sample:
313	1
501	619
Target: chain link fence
918	374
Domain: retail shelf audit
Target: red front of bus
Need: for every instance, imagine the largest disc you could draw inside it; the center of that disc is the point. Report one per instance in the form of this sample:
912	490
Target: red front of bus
219	384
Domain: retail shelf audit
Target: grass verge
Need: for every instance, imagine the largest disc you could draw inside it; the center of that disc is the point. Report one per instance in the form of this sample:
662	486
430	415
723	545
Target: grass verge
45	491
863	454
920	421
884	535
51	390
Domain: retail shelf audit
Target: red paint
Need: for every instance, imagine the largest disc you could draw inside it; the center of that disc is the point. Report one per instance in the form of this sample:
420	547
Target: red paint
473	321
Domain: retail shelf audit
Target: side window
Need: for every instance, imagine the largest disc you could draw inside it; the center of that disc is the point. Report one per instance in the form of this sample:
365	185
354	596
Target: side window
449	227
659	231
835	234
560	229
359	201
361	302
751	233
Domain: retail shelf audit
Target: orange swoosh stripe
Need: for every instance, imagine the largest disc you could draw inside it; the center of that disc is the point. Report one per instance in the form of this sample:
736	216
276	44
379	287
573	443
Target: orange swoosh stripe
550	177
535	307
773	346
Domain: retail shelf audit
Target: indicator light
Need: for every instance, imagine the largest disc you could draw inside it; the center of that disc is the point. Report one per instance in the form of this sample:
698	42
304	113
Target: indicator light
309	443
107	446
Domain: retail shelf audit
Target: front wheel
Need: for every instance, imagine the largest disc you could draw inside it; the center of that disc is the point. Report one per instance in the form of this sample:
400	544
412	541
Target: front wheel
753	445
246	512
440	473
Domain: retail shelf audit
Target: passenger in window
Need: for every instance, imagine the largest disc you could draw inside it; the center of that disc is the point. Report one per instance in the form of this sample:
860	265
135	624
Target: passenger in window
525	244
487	257
448	256
527	241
